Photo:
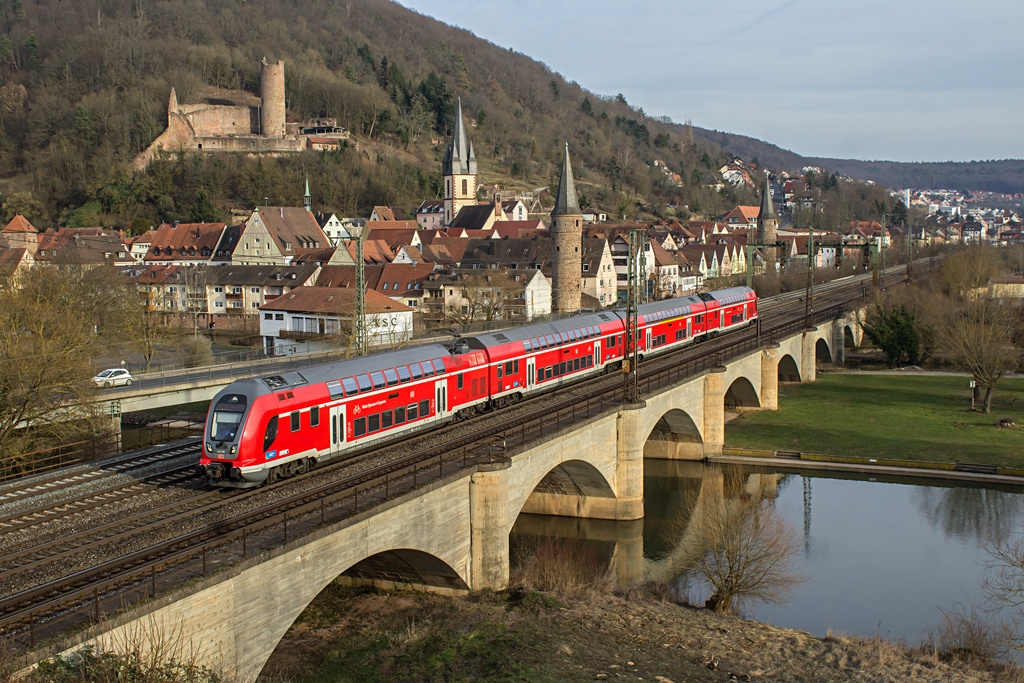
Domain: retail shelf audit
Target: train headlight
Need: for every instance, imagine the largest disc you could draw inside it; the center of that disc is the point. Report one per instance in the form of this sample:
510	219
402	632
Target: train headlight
209	448
233	449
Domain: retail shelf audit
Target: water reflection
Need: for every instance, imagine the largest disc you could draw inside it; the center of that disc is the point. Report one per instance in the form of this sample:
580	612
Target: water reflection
883	555
968	512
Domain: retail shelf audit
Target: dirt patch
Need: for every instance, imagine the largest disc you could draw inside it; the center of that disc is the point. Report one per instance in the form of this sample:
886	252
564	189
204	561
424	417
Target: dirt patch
366	635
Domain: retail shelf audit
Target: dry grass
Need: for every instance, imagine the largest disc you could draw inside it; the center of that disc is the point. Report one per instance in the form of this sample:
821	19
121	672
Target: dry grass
565	566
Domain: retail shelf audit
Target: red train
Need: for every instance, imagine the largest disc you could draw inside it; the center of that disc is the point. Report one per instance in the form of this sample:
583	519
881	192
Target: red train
261	429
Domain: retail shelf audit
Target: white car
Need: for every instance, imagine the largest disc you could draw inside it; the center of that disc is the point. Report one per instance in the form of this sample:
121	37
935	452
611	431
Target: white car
113	377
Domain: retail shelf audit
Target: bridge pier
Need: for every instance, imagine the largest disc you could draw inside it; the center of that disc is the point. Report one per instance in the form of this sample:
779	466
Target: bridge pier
808	355
714	411
629	466
838	343
770	377
489	525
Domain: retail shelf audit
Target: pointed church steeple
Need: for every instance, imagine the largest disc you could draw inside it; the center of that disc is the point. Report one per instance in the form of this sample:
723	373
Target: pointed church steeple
565	198
307	200
459	158
459	170
767	207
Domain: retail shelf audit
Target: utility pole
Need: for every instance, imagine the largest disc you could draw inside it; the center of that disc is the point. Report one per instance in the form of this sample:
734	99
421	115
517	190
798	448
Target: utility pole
910	253
631	350
809	294
359	320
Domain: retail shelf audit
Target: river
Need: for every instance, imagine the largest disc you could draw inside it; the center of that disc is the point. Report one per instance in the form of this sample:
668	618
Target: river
881	556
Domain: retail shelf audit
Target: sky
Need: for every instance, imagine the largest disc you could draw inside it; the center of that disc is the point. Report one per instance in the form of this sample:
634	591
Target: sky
898	80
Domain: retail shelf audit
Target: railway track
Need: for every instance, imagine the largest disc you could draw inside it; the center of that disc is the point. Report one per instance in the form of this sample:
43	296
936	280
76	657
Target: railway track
337	489
20	490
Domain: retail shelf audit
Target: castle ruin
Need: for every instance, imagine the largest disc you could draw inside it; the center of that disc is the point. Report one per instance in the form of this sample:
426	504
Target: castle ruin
208	127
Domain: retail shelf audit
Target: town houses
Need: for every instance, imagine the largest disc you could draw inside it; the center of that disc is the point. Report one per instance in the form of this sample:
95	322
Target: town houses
475	257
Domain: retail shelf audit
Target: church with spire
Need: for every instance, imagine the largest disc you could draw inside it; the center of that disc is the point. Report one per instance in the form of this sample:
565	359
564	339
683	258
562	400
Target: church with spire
459	170
767	221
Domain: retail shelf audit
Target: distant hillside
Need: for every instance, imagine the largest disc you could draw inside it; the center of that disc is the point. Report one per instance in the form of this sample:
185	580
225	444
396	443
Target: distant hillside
991	176
85	86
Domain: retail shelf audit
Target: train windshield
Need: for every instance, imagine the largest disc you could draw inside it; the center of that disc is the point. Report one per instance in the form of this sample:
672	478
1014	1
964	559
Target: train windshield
227	417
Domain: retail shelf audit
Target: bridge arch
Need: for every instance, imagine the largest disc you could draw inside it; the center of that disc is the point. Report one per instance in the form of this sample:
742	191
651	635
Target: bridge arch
849	340
569	480
406	566
741	395
674	436
822	351
789	371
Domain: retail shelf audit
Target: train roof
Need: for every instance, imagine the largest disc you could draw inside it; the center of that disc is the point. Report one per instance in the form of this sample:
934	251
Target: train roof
353	366
491	340
731	295
670	307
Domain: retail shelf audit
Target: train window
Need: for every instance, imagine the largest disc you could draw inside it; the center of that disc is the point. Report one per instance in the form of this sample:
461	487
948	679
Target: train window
459	383
391	376
576	364
271	433
565	337
548	372
535	343
360	426
424	408
540	375
428	369
561	368
550	340
385	419
515	366
439	366
373	423
572	335
416	372
335	388
400	415
403	374
413	412
314	416
378	380
364	383
508	368
296	423
351	388
699	319
499	370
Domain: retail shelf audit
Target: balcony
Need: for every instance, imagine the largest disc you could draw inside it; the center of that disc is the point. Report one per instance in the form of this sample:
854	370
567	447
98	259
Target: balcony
232	295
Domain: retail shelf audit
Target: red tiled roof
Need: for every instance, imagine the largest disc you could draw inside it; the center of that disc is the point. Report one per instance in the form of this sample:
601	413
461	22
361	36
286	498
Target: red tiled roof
332	300
20	224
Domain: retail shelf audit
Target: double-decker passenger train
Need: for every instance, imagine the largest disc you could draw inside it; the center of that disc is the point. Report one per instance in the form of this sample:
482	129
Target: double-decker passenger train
265	428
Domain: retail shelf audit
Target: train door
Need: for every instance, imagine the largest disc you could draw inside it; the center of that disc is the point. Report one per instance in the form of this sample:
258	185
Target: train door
441	397
597	353
689	328
531	372
647	345
337	427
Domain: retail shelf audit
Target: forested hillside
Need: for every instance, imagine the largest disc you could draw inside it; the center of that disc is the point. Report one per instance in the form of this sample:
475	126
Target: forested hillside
85	88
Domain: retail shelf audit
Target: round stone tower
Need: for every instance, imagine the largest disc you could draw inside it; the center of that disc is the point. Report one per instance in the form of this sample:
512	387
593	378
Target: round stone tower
272	108
567	238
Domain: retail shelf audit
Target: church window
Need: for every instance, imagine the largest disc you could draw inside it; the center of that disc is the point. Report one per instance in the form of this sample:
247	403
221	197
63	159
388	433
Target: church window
465	187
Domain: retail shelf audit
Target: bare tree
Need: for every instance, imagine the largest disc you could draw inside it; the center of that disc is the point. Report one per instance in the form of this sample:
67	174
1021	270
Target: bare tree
744	549
979	336
965	272
1003	585
195	299
49	329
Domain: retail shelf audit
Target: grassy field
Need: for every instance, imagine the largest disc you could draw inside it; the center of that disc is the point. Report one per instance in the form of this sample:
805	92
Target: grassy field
894	416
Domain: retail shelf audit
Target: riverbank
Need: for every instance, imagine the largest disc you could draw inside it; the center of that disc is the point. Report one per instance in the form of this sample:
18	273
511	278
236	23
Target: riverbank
891	416
366	635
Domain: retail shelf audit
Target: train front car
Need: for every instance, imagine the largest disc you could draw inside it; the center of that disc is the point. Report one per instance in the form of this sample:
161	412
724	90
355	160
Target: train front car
229	432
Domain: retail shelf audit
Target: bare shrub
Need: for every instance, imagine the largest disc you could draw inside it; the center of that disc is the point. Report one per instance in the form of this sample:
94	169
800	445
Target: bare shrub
147	653
743	548
197	350
965	635
565	566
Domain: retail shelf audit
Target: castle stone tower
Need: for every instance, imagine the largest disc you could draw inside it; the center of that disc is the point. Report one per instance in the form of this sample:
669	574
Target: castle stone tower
459	170
567	236
172	103
272	112
767	222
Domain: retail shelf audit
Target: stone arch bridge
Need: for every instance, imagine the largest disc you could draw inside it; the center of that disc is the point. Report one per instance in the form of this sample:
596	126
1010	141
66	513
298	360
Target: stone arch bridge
454	534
